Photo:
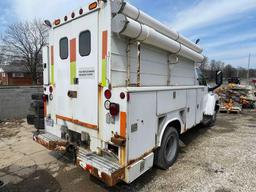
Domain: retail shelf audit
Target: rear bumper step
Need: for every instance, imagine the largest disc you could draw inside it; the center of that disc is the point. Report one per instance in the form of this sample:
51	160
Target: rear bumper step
50	141
107	171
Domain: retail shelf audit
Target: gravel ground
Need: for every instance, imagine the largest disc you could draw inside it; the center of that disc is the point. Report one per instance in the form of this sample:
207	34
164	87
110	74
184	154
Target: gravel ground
218	159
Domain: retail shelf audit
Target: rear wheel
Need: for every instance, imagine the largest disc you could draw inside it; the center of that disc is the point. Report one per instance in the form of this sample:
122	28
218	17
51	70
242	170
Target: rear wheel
167	154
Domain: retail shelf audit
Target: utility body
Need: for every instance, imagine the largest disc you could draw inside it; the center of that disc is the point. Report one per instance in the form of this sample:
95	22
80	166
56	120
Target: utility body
119	89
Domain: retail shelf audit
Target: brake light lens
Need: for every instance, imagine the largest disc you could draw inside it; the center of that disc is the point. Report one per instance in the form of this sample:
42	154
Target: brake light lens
51	89
108	94
114	109
93	5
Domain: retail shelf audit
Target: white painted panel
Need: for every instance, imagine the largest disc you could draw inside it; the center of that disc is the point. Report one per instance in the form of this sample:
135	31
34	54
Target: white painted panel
142	123
191	108
153	80
183	73
138	168
172	100
154	66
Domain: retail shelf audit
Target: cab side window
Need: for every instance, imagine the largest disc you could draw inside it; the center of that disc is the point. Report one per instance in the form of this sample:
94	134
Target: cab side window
201	78
85	43
63	48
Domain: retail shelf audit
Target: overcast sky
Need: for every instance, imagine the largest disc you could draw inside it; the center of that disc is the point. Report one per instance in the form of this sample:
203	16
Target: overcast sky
227	28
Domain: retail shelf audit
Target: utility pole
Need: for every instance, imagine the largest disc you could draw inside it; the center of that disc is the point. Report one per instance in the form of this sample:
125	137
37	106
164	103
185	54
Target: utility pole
248	72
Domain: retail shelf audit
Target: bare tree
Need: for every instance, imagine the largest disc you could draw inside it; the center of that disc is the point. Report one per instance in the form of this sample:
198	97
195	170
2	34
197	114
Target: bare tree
25	40
204	64
1	56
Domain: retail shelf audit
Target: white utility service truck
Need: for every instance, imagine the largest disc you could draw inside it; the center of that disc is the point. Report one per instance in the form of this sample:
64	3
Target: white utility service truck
119	89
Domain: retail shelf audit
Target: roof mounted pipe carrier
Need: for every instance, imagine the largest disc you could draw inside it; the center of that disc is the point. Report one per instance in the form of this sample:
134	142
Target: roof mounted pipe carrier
126	26
119	6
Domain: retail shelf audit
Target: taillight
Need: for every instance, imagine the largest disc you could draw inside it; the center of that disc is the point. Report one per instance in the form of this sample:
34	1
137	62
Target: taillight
51	89
114	109
107	94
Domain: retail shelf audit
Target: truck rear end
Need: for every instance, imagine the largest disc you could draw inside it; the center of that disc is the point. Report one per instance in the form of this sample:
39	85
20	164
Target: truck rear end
75	79
118	92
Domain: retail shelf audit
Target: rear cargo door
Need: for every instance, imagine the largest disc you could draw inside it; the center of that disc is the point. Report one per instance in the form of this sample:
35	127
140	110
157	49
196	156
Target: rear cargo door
84	70
60	69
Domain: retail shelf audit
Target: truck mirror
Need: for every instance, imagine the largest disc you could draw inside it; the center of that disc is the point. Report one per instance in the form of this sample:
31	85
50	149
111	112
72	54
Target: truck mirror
219	77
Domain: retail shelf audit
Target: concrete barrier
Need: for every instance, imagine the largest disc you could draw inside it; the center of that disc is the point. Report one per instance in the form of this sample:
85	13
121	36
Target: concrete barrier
15	101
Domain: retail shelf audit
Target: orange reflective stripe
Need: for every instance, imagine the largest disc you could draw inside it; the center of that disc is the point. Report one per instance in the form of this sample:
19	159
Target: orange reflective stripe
77	122
104	44
72	61
45	108
104	58
73	50
123	124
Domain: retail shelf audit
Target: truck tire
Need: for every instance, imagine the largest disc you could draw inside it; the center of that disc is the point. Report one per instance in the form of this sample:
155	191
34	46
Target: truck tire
39	123
166	154
209	120
31	119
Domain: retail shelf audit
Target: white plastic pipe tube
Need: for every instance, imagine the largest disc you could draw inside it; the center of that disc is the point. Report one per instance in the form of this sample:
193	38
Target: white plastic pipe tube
126	26
119	6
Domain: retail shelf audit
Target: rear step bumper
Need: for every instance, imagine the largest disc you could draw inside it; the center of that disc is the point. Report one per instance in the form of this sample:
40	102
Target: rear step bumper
107	171
50	141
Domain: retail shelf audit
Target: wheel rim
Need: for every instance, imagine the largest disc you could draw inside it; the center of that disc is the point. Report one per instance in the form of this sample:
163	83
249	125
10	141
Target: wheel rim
171	148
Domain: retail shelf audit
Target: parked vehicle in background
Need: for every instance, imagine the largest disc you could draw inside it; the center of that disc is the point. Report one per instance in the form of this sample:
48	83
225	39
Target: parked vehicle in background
234	80
119	89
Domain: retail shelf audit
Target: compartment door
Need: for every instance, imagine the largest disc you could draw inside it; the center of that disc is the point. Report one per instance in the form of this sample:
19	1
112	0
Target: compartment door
142	124
191	108
199	105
